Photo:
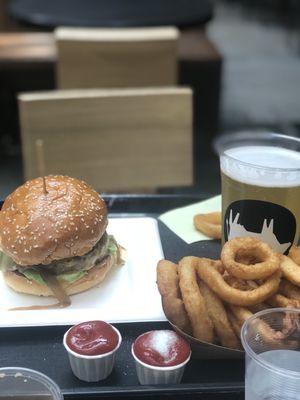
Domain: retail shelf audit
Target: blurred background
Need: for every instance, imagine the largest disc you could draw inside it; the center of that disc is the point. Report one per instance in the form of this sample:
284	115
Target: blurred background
239	58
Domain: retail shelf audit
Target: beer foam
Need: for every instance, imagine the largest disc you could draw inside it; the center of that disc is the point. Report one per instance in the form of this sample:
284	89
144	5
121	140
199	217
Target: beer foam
262	165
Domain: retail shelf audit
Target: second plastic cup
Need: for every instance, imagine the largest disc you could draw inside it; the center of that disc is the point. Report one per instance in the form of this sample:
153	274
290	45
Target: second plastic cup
272	355
26	383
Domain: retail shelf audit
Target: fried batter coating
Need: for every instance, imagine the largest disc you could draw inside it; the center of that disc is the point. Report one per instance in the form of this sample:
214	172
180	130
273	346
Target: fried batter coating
289	290
202	326
290	270
236	326
209	224
266	260
265	332
278	300
168	286
294	254
218	315
212	277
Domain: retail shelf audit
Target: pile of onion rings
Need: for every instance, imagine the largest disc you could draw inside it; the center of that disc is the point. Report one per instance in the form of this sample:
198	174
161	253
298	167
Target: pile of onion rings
211	299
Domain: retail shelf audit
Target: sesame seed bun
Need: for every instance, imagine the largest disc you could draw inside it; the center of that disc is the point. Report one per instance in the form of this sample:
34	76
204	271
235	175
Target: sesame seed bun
94	276
38	227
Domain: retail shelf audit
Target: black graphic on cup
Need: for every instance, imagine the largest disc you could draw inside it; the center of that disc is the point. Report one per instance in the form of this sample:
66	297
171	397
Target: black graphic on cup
272	223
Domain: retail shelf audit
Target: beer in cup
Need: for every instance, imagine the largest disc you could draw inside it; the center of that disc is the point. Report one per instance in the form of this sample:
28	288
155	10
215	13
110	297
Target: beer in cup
260	175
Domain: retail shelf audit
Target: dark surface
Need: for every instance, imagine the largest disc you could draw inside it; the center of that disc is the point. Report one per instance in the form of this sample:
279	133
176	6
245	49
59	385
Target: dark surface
112	13
150	204
41	348
175	248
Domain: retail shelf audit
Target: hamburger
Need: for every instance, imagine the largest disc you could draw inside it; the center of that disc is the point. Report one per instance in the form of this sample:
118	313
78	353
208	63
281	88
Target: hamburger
53	237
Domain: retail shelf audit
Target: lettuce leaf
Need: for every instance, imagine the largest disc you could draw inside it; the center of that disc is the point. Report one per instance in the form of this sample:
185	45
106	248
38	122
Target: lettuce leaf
34	275
5	261
112	245
71	277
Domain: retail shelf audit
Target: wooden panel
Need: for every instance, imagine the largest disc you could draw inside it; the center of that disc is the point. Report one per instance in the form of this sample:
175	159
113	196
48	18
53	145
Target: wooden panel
114	139
100	58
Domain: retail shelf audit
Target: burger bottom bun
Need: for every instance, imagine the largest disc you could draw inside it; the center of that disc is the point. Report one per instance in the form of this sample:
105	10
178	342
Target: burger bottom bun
94	276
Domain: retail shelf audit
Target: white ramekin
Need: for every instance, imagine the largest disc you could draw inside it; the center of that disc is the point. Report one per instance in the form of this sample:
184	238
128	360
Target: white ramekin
92	368
152	375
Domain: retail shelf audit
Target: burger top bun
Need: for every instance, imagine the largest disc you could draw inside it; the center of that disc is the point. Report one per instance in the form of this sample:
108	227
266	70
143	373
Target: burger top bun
38	227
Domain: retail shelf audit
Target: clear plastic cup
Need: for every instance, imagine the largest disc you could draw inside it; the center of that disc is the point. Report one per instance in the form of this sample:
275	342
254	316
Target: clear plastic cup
271	339
260	174
22	383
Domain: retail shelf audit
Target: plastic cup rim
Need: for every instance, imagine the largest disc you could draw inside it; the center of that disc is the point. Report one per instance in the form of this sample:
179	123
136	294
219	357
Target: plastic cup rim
254	356
36	376
98	356
157	368
261	135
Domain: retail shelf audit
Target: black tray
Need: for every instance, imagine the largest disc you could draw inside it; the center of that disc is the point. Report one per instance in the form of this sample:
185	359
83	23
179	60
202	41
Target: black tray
41	348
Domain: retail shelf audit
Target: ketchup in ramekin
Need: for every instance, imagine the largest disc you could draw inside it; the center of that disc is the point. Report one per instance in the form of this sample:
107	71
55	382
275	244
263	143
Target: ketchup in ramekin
91	348
92	338
160	357
161	348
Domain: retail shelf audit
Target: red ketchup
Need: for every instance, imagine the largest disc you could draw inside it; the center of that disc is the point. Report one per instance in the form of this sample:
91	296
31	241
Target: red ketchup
92	338
163	348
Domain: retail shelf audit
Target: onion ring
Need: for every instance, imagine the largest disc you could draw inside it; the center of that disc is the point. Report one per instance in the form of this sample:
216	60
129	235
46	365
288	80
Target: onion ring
278	300
240	283
291	325
294	254
209	224
267	264
212	277
264	331
246	285
236	326
168	286
202	326
290	270
240	313
218	315
259	307
289	290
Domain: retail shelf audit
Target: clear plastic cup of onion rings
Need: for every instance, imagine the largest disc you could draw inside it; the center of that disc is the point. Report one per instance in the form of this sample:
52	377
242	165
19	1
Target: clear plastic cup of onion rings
271	339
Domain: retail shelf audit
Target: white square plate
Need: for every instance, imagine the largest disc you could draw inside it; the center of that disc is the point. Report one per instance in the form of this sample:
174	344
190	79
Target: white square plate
128	293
